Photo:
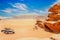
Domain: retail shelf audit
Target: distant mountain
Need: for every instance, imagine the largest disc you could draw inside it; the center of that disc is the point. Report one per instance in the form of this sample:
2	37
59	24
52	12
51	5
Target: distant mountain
27	16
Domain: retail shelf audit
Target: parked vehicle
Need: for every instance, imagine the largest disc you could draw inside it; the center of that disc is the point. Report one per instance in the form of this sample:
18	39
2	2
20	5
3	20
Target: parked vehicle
8	31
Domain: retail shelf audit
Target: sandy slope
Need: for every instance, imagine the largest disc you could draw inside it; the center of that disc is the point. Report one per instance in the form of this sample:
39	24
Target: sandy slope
23	29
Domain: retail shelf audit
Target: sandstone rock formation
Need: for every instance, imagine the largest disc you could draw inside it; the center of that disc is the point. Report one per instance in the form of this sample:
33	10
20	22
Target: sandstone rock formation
55	13
52	27
55	9
54	16
39	23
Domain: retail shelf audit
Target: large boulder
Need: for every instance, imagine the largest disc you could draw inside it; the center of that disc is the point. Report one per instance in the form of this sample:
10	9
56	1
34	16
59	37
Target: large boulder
55	27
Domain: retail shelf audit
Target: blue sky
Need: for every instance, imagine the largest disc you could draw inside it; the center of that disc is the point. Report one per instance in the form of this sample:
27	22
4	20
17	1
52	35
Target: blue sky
10	8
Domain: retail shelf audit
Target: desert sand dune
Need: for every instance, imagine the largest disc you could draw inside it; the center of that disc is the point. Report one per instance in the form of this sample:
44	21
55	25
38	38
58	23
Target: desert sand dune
23	29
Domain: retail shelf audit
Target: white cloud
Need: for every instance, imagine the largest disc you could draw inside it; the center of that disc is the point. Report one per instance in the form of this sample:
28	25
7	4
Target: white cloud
7	10
57	1
1	17
11	11
18	9
53	4
43	11
20	6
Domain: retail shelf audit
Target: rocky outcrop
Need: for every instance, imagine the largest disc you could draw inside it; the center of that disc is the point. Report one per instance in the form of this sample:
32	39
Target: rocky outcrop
55	28
55	9
52	24
53	16
39	23
55	13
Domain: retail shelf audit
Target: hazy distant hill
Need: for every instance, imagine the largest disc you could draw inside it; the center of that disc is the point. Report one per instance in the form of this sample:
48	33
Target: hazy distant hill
29	16
26	16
